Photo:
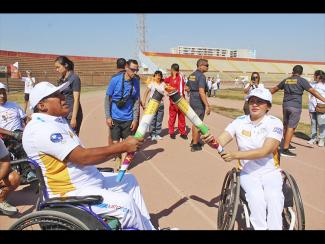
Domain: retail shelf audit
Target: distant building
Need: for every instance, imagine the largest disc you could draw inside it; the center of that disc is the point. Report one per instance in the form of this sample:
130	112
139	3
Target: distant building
218	52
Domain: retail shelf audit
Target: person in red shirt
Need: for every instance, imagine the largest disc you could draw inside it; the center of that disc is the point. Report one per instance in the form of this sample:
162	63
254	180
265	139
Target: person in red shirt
176	81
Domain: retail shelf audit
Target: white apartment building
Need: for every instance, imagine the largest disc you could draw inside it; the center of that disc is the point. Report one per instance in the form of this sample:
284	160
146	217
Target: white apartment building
218	52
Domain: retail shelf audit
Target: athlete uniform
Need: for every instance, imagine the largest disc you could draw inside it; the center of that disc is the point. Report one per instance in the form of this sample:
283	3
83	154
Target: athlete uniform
260	178
48	140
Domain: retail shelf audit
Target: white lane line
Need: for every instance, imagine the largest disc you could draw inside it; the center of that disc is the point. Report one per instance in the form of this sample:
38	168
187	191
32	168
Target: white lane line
313	207
180	193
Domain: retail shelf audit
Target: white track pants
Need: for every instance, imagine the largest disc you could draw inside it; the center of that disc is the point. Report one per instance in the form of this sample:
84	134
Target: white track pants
264	194
122	200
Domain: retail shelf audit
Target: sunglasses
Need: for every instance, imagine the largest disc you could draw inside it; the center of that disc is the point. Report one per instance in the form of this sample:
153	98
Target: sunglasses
206	65
257	101
134	70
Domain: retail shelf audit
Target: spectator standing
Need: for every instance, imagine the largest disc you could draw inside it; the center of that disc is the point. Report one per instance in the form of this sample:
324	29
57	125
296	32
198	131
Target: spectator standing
122	105
209	82
65	67
320	87
197	86
176	80
312	109
294	87
253	84
159	85
29	84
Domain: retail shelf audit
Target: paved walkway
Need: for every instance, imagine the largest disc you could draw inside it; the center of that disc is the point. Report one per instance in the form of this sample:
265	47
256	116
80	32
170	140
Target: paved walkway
181	188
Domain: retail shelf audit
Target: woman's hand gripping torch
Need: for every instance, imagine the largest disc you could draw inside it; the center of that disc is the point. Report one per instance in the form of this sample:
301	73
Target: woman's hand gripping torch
149	113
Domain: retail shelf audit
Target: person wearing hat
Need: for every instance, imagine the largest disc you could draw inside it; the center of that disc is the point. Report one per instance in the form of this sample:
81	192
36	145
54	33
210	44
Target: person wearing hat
258	136
68	167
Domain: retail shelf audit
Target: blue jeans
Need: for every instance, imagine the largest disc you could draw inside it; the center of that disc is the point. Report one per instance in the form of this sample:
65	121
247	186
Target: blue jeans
321	125
313	124
155	127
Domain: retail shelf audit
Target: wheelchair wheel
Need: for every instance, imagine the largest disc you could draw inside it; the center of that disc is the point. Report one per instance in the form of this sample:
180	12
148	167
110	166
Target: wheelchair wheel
48	220
228	205
293	216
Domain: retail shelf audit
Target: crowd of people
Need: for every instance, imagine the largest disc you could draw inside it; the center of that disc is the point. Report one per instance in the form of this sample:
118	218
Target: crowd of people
50	136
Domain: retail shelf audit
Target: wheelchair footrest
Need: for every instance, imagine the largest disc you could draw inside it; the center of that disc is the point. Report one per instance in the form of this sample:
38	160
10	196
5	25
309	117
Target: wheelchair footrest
76	200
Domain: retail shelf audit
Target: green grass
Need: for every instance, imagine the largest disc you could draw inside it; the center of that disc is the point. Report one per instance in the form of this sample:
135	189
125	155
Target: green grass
238	94
234	113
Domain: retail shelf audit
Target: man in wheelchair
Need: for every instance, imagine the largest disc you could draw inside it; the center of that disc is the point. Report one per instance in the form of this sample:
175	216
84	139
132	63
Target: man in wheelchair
258	136
68	167
12	122
9	181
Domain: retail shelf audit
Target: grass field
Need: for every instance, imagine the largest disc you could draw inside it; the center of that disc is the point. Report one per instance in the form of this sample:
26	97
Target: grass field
234	113
238	94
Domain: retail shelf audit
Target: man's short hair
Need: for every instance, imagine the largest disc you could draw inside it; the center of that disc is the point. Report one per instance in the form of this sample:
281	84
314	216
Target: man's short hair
120	63
175	67
132	61
297	69
201	61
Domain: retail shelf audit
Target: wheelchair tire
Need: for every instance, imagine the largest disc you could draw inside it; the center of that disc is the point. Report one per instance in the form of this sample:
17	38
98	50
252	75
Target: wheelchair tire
52	220
297	202
229	201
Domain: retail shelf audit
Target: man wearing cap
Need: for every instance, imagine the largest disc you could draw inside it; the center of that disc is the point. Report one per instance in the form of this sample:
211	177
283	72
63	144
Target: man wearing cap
294	87
258	136
68	167
198	87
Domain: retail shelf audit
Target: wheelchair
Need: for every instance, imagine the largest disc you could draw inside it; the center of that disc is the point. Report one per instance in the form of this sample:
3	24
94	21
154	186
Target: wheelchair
19	161
233	199
65	213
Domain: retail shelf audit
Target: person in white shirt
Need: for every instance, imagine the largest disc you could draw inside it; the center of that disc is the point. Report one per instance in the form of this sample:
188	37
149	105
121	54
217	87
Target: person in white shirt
254	83
159	85
312	109
68	167
320	87
258	136
209	82
12	117
29	84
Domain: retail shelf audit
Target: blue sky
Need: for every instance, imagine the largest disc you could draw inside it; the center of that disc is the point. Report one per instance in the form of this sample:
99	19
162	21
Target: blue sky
273	36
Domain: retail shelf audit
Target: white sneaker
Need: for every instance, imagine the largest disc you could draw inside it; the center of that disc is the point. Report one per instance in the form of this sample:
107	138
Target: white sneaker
321	143
312	141
7	209
154	138
158	137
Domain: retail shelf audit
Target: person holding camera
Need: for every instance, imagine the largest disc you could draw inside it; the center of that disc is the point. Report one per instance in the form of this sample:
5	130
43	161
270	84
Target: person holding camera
122	104
254	83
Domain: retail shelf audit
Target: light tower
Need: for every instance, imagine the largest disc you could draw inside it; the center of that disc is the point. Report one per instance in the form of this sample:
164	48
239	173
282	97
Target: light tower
141	29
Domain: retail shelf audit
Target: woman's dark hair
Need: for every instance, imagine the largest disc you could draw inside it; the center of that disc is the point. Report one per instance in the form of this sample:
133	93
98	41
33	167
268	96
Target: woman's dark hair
318	72
67	63
158	72
258	76
175	67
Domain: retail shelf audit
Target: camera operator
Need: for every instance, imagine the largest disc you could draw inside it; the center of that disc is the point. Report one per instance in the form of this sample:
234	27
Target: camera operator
253	84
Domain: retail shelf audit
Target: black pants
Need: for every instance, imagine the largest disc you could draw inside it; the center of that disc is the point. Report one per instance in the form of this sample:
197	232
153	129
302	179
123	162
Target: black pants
79	120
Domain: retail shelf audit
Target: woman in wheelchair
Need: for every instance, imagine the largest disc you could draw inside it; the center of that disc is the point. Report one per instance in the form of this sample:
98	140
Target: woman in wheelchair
68	168
258	136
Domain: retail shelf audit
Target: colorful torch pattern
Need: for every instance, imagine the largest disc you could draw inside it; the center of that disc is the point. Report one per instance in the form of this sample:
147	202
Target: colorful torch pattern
183	105
145	121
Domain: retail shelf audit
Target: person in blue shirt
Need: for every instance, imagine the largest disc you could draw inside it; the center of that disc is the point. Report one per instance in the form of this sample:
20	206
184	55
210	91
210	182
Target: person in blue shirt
122	104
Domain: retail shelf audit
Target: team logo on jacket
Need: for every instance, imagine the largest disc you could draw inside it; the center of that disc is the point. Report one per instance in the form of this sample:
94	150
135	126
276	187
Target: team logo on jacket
56	137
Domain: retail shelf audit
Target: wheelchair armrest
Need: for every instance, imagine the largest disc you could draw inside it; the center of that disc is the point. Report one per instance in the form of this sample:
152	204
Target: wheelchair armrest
19	161
75	200
106	169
